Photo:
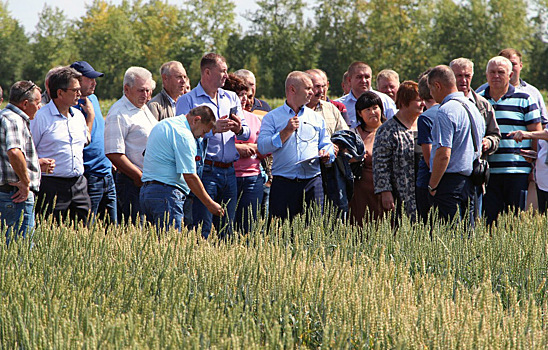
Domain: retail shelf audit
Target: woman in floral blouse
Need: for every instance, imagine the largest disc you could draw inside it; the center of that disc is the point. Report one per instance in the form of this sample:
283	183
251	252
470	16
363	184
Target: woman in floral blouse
394	153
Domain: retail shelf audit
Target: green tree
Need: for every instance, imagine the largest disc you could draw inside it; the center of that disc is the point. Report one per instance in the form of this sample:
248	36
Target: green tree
52	43
13	48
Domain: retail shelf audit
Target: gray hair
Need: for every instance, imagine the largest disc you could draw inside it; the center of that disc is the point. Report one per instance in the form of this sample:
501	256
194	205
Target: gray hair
462	62
132	73
165	69
499	60
23	90
388	74
245	74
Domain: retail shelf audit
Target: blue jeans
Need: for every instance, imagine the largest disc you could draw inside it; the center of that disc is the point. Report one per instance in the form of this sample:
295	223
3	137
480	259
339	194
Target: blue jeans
220	184
127	199
102	193
17	219
162	205
250	195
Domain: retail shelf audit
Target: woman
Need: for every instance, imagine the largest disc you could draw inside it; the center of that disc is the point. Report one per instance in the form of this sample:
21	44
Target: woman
370	115
248	167
394	153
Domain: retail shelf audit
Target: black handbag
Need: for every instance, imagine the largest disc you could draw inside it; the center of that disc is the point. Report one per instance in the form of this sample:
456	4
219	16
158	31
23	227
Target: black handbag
480	167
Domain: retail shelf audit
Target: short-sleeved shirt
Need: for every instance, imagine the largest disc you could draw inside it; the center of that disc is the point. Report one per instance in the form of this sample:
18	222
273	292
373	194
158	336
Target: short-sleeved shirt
425	123
15	133
221	147
95	161
350	102
452	129
170	153
61	138
303	144
514	111
126	130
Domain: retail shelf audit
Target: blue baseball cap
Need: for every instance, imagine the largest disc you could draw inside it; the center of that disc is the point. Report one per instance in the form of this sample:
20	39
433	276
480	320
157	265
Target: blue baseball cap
86	69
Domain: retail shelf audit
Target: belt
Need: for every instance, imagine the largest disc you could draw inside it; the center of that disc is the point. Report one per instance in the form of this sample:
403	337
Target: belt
219	164
283	178
7	188
161	184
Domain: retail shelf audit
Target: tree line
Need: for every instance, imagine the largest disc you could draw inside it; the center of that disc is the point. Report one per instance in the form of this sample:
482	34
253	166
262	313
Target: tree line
280	36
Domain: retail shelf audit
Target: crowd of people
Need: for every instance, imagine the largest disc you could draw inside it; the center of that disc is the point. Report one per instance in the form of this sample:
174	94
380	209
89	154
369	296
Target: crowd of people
218	156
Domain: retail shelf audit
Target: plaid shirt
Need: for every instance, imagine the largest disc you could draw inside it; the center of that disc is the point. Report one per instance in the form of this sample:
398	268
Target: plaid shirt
15	133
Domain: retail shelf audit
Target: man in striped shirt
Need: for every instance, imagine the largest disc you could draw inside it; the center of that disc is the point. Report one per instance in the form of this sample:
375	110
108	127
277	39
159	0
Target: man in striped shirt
514	110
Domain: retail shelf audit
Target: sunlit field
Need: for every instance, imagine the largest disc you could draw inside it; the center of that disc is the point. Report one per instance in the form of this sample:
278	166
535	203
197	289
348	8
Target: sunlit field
323	285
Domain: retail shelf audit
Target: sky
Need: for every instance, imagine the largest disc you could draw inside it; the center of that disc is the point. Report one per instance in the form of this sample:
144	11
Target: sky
26	11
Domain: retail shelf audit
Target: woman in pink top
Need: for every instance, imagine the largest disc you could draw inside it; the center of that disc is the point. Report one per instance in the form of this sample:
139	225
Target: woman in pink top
248	167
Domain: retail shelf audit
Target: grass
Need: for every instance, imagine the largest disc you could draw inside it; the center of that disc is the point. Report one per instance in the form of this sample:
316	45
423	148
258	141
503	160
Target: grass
323	285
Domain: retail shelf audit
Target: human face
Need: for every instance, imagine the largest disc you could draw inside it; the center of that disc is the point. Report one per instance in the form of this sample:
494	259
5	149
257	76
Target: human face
435	91
243	95
498	76
371	116
319	88
360	81
388	86
88	86
199	129
516	69
31	107
69	96
416	106
139	93
303	92
175	82
464	78
250	98
218	74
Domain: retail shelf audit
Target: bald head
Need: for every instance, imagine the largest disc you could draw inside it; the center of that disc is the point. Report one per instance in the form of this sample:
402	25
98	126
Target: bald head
442	82
298	89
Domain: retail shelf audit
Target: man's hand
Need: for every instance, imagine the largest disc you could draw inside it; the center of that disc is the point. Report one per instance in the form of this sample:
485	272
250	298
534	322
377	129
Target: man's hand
519	135
324	155
485	144
22	194
87	107
246	150
235	123
47	165
292	124
387	200
215	209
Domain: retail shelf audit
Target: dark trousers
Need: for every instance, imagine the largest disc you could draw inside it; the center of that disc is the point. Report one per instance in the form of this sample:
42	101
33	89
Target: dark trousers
542	197
455	193
127	198
504	192
423	202
61	196
287	197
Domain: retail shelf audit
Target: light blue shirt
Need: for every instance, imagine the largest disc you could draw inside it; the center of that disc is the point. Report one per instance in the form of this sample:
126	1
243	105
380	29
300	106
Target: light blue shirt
170	153
452	129
350	102
61	138
304	143
221	146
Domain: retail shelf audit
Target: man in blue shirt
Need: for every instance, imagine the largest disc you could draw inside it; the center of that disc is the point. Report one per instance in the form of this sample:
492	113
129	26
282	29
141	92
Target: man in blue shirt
218	173
97	167
359	77
297	138
452	146
169	171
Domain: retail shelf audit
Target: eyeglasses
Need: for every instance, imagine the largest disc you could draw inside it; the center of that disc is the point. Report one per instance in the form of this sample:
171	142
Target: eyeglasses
78	90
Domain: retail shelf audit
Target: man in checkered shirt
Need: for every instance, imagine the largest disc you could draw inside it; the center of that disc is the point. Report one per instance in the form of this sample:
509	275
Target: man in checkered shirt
19	165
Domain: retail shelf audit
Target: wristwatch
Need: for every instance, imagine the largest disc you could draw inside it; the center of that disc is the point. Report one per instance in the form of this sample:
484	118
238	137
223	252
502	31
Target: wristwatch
432	189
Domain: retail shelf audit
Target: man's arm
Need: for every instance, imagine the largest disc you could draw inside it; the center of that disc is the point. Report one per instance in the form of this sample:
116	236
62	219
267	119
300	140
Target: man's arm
438	166
123	164
19	165
196	186
490	142
87	108
534	127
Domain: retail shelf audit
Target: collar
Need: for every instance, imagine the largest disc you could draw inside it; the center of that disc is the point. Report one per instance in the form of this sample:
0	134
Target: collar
452	96
290	110
170	99
18	111
522	83
130	106
201	92
509	93
54	111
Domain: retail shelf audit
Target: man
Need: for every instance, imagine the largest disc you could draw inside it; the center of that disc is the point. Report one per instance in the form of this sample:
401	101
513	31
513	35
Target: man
169	172
298	140
331	115
388	82
254	105
218	174
174	80
340	106
452	148
359	78
127	126
97	167
345	85
60	131
19	166
517	65
463	69
514	110
46	95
